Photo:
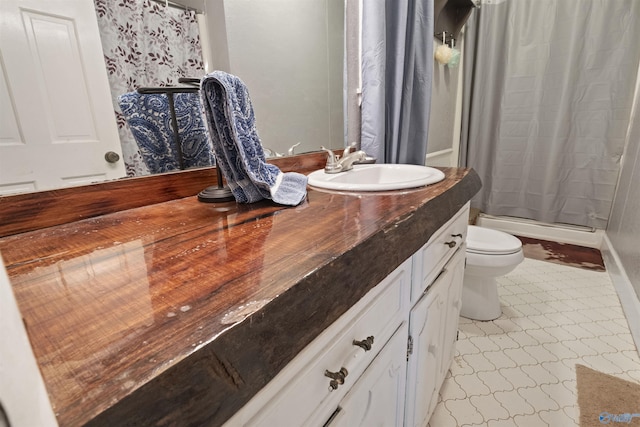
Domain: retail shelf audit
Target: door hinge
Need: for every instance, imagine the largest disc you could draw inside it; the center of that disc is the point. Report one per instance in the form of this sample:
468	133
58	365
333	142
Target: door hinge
457	335
409	346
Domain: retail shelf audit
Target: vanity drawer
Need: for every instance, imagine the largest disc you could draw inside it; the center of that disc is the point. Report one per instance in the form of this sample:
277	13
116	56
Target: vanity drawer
429	260
301	393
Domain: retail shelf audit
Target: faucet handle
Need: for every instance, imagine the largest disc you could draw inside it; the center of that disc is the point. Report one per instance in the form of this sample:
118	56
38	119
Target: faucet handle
350	148
331	158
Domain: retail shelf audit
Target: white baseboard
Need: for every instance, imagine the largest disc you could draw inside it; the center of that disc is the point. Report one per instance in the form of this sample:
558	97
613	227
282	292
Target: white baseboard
591	238
628	297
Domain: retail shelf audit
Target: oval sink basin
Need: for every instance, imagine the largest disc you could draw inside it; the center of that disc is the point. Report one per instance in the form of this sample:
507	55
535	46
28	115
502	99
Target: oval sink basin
377	177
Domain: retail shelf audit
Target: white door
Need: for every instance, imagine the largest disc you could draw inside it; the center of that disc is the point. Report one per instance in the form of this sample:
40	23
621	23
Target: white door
56	114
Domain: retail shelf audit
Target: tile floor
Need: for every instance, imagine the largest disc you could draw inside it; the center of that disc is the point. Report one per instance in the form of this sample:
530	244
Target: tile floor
519	370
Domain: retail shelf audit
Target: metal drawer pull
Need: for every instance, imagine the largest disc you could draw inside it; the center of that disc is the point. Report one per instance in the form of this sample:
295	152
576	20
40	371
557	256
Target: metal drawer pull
365	344
451	244
457	235
337	378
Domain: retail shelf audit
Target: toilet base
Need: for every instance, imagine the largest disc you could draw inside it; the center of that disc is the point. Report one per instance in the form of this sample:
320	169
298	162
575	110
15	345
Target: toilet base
480	299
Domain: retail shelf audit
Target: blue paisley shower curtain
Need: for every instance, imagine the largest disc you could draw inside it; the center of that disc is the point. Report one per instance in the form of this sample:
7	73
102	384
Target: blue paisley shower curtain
145	44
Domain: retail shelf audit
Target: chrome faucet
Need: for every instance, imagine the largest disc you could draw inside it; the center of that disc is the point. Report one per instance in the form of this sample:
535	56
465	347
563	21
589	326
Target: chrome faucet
336	164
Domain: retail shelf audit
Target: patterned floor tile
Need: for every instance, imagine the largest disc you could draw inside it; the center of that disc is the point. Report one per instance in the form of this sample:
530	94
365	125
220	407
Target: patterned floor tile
519	370
538	399
517	377
557	418
495	381
540	375
514	403
463	412
532	420
472	385
489	407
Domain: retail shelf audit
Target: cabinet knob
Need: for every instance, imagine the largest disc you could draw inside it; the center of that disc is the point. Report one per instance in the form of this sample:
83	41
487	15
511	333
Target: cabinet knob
451	244
364	344
456	235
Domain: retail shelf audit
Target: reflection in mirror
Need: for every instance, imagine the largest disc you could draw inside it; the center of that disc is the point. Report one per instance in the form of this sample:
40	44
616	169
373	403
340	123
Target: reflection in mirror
58	127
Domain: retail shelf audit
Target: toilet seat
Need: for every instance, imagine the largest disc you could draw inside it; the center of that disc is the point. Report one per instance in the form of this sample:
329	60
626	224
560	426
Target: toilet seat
486	241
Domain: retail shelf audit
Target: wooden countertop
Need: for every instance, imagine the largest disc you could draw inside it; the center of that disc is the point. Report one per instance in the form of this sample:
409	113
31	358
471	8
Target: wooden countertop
178	312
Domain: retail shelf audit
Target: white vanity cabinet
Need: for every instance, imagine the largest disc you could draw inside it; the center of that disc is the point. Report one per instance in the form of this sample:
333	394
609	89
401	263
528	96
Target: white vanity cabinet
303	395
436	294
382	362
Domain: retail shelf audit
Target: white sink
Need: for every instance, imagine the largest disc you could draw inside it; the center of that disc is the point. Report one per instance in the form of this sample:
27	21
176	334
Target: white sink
377	177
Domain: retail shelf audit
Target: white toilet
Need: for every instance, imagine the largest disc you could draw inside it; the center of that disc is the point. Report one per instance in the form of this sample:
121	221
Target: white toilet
490	254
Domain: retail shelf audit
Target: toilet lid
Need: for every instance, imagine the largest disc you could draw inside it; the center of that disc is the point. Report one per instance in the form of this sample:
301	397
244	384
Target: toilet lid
482	240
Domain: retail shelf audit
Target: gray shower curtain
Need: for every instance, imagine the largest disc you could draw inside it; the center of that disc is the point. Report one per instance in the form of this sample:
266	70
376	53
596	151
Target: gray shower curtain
548	92
397	69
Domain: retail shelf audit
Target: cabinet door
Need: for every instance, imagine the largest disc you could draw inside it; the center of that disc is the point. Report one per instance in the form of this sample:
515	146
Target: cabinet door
377	399
423	369
433	326
453	306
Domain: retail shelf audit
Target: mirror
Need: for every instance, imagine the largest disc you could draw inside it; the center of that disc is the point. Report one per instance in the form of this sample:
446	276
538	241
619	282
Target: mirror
288	52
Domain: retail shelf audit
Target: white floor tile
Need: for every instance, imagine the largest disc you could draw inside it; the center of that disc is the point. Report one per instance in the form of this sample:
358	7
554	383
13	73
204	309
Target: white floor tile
532	420
578	347
560	394
500	360
472	385
560	350
463	412
514	403
479	362
623	361
557	418
519	370
490	408
504	342
540	375
484	344
522	338
441	417
495	381
608	343
538	399
517	377
560	334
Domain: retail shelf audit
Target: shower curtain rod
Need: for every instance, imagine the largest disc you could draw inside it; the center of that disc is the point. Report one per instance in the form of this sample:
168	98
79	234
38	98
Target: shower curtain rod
177	5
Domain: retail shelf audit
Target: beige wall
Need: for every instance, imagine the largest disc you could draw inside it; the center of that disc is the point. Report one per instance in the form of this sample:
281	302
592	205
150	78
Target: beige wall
290	55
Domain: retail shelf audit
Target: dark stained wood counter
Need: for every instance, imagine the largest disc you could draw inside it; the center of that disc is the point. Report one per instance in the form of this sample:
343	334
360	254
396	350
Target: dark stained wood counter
178	312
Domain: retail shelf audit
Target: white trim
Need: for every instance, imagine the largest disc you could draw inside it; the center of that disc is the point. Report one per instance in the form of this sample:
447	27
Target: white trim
582	236
457	118
628	298
440	158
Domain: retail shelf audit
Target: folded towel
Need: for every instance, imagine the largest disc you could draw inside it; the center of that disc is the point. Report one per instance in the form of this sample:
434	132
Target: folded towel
231	122
149	119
